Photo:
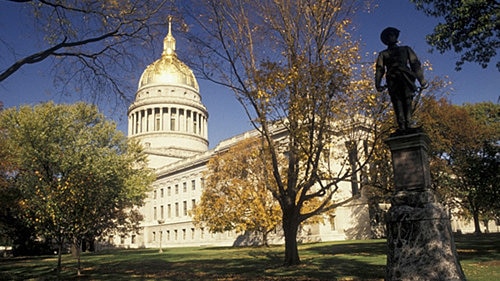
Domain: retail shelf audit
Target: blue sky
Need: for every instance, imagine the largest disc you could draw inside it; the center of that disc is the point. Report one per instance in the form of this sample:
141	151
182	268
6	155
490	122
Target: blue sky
33	83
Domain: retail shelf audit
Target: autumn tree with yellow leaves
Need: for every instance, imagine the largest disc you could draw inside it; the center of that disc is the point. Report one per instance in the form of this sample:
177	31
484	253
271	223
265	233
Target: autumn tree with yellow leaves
237	192
296	70
77	176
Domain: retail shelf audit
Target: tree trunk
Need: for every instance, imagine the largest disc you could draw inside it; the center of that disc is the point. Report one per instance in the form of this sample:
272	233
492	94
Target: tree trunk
486	226
264	238
290	229
92	245
59	257
78	252
477	223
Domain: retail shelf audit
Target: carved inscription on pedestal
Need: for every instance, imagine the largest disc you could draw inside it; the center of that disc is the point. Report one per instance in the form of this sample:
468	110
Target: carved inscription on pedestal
408	169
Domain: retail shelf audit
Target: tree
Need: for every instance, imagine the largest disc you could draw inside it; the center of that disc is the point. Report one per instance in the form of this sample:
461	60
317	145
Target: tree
8	194
293	66
7	163
236	193
92	42
465	155
470	28
78	177
480	171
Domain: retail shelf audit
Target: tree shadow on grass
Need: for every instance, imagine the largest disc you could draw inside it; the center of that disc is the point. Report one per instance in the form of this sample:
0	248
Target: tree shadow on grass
150	269
352	261
361	247
482	247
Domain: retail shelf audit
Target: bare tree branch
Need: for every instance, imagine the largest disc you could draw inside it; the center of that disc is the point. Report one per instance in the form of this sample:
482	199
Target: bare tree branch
37	57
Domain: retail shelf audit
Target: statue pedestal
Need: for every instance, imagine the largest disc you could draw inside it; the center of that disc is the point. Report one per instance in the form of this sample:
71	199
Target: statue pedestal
419	236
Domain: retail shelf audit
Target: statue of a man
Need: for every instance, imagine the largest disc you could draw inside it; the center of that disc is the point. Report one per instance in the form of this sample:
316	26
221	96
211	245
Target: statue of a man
401	68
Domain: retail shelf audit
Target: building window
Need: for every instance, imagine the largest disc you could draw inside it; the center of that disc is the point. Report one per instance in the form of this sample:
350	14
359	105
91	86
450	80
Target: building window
172	119
157	119
122	239
332	222
193	185
182	119
183	234
137	123
199	125
193	203
154	194
149	115
185	208
202	233
161	212
175	234
184	187
142	121
176	209
168	235
169	191
192	233
202	183
176	189
195	124
169	211
132	239
154	213
154	236
161	193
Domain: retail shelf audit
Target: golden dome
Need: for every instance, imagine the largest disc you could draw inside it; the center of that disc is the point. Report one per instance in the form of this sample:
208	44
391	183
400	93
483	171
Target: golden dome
168	69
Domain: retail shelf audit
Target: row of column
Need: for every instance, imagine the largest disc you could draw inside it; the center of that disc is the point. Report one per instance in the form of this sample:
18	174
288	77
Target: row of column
167	119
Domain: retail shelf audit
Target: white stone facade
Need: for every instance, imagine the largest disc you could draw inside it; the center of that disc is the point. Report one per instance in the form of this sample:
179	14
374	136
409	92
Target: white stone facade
170	121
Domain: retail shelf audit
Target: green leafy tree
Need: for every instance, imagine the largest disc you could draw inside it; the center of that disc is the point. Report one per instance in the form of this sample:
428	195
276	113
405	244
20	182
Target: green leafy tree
8	194
77	176
470	28
237	194
481	167
295	69
465	166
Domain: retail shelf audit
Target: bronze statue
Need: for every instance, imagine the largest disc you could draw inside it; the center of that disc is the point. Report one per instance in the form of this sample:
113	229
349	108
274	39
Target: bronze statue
401	68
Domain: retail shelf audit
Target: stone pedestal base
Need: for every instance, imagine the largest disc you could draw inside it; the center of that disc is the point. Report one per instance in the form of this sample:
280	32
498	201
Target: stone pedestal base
420	241
419	236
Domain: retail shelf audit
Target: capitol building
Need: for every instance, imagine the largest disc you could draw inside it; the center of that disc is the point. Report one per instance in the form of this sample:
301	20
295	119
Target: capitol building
170	121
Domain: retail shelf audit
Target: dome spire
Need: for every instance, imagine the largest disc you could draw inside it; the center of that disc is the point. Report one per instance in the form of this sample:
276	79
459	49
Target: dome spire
169	41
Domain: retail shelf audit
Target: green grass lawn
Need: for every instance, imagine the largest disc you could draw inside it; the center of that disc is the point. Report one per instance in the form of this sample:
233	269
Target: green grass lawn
346	260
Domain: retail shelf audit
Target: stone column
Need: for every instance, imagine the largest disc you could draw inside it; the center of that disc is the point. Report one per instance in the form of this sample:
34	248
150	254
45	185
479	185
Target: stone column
419	236
150	112
130	124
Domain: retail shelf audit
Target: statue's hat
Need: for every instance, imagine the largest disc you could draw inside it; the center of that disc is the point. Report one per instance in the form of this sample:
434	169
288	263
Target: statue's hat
384	36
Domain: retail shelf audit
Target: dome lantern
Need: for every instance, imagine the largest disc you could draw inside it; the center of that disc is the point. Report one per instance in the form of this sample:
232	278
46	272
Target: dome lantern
168	69
169	41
